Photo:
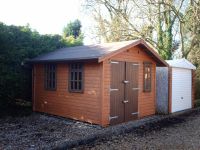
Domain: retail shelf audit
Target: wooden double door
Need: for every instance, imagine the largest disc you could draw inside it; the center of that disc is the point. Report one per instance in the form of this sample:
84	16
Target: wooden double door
123	91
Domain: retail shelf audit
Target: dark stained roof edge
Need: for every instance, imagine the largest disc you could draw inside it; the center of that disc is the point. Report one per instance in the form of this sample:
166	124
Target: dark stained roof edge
158	59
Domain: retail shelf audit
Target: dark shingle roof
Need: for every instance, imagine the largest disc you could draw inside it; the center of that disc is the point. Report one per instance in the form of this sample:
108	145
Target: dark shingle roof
98	52
81	52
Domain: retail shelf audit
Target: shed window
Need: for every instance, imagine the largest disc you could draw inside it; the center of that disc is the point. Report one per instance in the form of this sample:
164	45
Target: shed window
50	77
147	76
76	77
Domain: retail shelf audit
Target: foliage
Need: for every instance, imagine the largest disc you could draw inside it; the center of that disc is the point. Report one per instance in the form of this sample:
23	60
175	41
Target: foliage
72	29
71	41
18	44
191	32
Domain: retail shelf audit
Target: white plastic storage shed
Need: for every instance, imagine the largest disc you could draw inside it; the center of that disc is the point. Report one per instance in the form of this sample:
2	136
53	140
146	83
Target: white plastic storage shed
181	84
180	92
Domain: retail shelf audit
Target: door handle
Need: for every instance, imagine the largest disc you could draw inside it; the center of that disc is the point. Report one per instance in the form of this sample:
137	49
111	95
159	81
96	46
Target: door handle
125	101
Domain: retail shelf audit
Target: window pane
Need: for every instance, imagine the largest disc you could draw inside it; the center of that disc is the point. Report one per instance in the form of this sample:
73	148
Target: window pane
47	82
72	76
149	84
54	80
54	76
50	76
72	86
145	84
75	66
80	75
53	84
80	66
72	66
147	77
50	83
75	85
80	86
75	75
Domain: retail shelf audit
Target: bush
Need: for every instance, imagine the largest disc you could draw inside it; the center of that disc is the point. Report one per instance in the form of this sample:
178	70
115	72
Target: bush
18	44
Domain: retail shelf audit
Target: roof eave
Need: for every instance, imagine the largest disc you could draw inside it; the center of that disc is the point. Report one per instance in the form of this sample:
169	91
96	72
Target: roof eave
62	60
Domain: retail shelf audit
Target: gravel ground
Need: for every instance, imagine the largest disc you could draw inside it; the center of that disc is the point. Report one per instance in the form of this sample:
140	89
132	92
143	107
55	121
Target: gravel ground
40	131
181	132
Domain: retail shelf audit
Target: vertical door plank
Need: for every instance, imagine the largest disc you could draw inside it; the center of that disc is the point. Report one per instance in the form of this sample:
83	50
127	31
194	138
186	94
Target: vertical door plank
117	92
131	91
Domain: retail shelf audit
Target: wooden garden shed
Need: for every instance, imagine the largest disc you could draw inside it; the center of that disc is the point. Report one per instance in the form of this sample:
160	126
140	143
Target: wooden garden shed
102	84
175	86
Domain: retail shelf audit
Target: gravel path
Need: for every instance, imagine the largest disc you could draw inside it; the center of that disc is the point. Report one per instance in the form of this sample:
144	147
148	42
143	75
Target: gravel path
181	132
40	131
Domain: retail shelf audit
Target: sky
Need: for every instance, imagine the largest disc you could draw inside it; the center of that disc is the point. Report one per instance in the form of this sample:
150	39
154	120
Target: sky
45	16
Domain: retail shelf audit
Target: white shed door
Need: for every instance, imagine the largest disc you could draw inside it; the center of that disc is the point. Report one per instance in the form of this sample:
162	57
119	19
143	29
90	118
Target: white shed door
181	89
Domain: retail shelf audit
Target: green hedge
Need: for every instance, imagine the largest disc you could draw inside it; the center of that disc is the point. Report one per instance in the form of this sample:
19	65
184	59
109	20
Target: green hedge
18	44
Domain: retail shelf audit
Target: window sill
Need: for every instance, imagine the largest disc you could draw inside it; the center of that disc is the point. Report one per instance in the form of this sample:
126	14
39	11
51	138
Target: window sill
70	91
50	89
147	91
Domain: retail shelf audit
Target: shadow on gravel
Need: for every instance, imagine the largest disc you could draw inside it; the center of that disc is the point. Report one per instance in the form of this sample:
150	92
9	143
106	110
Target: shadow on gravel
156	126
167	122
142	131
148	128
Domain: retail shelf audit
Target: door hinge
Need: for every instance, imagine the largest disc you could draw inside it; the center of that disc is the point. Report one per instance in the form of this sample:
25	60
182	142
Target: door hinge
114	117
135	88
135	113
135	64
114	90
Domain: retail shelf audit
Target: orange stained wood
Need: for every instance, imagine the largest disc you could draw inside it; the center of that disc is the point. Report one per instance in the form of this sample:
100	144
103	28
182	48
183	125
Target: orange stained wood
93	105
81	106
146	100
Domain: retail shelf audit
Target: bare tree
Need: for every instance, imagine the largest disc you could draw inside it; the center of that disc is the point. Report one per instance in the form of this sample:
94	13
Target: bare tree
191	30
156	21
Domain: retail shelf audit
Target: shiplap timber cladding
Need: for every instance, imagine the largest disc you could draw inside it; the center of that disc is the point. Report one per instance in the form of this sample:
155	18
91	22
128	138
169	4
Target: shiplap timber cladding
94	102
81	106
